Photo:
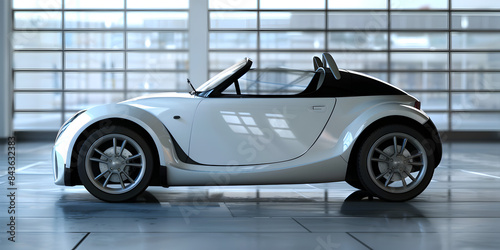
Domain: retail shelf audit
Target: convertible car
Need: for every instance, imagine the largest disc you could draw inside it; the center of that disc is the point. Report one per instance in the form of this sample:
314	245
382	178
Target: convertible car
338	126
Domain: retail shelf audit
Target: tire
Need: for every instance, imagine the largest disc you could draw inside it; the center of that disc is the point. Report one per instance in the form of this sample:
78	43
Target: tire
395	163
115	164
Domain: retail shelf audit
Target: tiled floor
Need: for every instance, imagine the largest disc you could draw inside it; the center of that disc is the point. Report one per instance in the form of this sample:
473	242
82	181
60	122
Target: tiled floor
459	210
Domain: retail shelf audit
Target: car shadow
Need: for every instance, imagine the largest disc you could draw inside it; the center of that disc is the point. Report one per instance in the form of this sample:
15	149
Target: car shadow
362	204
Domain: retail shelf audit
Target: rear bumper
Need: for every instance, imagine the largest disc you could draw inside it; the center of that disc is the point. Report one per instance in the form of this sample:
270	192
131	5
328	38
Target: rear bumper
436	145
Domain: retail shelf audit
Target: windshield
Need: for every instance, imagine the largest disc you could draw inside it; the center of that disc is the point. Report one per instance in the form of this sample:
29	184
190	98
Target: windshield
222	76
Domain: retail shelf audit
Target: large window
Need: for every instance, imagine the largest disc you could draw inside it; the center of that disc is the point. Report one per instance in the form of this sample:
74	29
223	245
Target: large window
74	54
443	52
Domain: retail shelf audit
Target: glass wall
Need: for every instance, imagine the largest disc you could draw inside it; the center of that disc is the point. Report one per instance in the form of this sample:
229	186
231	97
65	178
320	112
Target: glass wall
74	54
443	52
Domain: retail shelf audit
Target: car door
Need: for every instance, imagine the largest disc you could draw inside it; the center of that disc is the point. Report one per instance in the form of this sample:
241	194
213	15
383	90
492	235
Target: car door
249	131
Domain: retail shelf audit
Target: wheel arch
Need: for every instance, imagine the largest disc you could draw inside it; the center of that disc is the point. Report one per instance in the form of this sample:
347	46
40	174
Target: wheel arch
156	179
141	121
428	129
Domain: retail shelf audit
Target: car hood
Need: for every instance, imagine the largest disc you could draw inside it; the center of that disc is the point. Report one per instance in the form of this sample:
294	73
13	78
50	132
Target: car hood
158	95
165	104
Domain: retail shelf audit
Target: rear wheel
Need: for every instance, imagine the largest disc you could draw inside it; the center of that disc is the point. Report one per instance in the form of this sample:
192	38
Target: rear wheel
115	165
394	164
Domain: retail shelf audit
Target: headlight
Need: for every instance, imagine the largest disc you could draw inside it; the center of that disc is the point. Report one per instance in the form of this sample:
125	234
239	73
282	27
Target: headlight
65	125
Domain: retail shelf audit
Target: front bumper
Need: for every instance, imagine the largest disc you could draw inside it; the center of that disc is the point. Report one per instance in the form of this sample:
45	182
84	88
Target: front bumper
59	157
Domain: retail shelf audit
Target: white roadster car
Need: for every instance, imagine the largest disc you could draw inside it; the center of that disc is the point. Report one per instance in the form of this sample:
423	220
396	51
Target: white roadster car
340	126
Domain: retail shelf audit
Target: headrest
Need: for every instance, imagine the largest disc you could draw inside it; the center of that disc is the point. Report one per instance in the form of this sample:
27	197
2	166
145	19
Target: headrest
330	64
317	63
321	77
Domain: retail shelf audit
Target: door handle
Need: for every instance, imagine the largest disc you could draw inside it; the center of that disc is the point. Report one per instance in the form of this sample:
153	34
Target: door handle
318	108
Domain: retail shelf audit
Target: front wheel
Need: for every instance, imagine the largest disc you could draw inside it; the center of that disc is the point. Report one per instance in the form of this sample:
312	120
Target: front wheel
395	163
115	164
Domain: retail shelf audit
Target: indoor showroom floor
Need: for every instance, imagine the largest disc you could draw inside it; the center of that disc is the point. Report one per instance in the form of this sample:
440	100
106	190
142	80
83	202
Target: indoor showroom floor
459	210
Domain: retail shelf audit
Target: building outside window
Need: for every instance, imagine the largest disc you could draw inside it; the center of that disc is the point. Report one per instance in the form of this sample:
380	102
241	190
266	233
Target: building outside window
70	54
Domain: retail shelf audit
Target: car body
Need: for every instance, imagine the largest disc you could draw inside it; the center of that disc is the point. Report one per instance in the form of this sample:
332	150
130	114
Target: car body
341	126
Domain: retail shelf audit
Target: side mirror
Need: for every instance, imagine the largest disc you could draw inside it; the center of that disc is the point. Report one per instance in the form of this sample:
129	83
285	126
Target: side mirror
331	65
317	63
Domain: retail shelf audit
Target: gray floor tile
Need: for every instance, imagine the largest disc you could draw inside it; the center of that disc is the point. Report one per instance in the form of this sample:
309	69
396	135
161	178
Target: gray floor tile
150	225
28	241
417	241
123	210
218	241
406	225
459	210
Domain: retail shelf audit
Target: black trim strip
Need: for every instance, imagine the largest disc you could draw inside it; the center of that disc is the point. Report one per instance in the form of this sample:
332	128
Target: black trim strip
70	177
163	176
181	155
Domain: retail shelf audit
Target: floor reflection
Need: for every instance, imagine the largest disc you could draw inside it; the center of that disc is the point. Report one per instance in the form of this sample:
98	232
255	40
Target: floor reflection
207	203
459	210
145	197
362	204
